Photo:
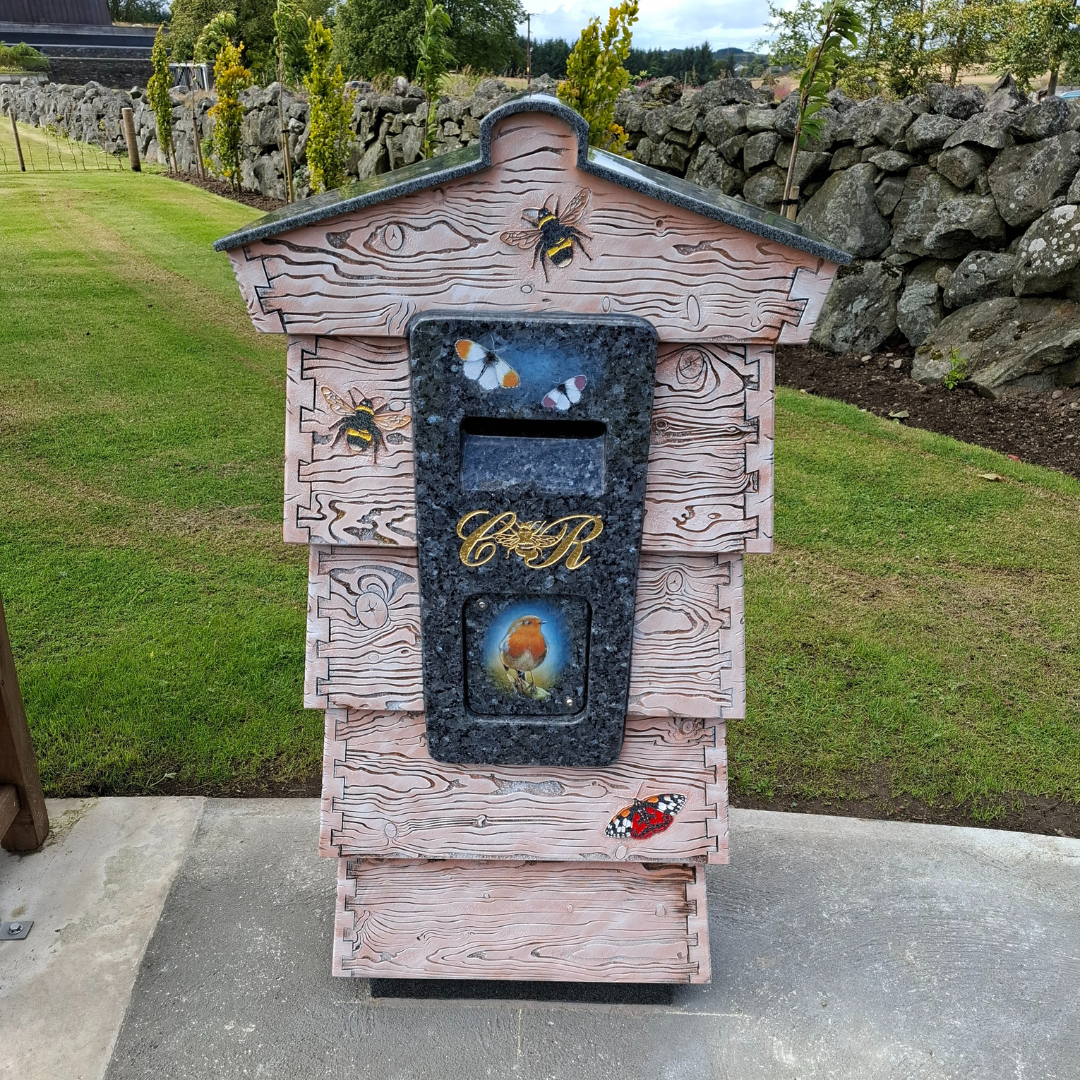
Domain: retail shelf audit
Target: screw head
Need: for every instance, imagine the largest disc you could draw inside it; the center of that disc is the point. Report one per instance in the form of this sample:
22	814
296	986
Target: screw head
569	702
482	605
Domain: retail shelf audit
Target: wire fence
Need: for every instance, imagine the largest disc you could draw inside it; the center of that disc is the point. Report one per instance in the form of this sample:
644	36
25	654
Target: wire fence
46	150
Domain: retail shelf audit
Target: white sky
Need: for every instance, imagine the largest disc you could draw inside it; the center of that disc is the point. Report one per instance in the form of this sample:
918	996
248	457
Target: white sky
663	24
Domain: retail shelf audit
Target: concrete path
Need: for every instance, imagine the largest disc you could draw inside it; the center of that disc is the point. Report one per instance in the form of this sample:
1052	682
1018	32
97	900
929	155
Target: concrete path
841	948
94	891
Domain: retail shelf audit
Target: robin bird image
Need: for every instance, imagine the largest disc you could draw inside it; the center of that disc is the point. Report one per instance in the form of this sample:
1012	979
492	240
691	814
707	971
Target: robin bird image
522	650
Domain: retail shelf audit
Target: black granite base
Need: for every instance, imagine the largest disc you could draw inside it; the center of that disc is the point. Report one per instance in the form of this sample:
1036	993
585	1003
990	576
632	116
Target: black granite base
499	990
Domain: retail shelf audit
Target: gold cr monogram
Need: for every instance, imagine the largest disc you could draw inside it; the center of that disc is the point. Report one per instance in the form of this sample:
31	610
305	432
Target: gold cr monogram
539	544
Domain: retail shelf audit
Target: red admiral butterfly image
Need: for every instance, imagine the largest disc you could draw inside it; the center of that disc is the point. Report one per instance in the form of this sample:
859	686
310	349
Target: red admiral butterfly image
645	817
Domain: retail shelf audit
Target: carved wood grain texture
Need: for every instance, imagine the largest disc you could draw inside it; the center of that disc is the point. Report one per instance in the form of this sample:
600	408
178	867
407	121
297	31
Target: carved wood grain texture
370	271
577	922
710	459
710	480
384	796
363	629
333	493
687	657
363	634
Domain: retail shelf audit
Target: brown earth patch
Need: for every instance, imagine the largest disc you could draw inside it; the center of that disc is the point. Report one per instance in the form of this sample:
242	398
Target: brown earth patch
1024	813
225	190
1040	429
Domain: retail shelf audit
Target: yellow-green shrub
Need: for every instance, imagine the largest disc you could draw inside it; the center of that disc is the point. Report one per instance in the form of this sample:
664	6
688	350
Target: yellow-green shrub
331	109
596	74
230	79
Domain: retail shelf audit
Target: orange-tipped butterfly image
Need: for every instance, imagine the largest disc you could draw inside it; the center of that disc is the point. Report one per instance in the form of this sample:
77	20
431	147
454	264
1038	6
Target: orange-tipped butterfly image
485	367
522	650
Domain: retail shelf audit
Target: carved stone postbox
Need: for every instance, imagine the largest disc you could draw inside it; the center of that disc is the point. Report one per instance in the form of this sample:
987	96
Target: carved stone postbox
529	438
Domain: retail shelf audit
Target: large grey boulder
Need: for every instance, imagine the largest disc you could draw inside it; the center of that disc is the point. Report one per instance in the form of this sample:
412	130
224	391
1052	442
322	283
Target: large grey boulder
727	92
891	161
1009	344
919	308
732	148
928	132
1005	96
1023	179
890	190
961	165
807	164
843	212
982	275
860	311
724	123
858	124
934	218
959	102
1049	117
765	188
760	118
1048	257
893	120
787	114
986	129
845	157
759	149
708	168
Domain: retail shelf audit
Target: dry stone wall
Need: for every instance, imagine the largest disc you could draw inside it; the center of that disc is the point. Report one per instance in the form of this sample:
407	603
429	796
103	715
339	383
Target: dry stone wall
961	208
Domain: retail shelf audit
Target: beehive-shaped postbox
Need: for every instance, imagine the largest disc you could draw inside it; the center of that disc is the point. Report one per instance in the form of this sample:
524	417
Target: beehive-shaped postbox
529	438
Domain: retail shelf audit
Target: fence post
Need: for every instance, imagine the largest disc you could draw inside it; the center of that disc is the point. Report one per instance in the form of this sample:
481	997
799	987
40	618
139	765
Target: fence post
129	138
15	132
195	130
20	786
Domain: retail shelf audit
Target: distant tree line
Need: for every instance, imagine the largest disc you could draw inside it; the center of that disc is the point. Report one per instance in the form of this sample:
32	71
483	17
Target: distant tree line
906	44
693	66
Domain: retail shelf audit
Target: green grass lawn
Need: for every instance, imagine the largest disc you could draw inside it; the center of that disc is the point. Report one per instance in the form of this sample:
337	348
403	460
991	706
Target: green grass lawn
917	629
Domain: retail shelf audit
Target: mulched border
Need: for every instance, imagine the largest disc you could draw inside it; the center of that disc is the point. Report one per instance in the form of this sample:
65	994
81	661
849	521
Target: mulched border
225	190
1041	429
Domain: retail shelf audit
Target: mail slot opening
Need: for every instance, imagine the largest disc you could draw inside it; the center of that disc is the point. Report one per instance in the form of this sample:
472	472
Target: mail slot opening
559	457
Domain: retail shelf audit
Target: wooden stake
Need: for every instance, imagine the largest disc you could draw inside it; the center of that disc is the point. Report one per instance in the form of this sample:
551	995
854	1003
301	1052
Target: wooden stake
285	148
20	786
132	142
15	132
792	207
195	130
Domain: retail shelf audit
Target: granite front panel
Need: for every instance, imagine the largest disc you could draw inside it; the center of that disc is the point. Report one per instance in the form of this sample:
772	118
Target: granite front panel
531	440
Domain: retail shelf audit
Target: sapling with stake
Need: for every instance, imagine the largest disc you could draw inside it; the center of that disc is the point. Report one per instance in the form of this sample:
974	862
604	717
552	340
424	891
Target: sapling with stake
838	24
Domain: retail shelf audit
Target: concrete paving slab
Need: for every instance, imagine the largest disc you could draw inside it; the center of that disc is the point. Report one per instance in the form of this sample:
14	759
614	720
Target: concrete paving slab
841	948
95	891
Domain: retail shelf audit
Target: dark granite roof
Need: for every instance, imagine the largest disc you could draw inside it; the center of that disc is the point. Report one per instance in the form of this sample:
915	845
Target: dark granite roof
619	170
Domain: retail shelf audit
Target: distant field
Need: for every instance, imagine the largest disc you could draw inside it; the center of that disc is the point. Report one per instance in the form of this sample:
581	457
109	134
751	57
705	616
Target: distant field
916	634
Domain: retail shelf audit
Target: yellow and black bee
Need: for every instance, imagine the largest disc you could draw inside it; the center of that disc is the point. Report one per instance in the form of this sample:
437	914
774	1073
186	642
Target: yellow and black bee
553	235
363	423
